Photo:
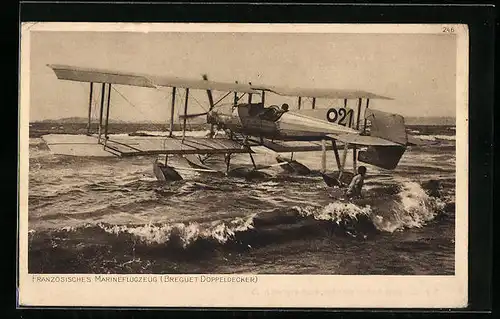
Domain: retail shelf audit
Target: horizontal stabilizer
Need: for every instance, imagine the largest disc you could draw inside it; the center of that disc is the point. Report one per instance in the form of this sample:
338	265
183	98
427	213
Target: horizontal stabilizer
294	146
362	140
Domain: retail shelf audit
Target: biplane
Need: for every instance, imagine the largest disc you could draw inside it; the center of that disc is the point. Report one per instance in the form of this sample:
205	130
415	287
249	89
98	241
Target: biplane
375	137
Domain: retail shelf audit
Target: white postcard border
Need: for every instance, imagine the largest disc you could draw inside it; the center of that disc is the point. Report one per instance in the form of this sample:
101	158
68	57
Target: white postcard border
267	290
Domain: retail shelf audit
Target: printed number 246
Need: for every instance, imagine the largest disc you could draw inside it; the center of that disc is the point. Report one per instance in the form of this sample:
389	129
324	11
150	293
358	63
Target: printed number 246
448	29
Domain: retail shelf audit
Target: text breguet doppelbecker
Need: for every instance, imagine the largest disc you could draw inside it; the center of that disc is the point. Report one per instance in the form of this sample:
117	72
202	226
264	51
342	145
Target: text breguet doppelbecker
144	279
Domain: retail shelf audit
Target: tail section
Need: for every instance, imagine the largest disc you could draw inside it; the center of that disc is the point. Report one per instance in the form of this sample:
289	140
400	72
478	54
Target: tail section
387	138
389	127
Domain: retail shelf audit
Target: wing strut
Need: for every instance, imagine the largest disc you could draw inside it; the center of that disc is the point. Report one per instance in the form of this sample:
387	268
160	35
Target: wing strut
364	124
90	107
107	114
172	112
185	115
235	101
101	112
354	149
250	95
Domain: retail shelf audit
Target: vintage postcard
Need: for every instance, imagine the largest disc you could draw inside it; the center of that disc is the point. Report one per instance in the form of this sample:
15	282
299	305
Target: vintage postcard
243	165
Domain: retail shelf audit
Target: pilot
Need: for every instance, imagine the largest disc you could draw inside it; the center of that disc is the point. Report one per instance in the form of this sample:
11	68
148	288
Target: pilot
284	107
255	108
354	188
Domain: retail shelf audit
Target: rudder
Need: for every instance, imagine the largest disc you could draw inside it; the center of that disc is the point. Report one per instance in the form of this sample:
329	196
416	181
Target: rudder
390	127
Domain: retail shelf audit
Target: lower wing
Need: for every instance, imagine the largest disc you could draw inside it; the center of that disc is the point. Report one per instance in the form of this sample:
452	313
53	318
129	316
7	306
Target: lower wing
125	145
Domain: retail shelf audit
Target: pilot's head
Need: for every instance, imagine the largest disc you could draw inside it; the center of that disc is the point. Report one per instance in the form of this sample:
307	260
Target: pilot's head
284	107
362	170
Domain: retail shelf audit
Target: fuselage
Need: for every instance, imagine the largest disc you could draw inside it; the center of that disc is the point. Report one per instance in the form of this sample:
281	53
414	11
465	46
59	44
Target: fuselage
273	122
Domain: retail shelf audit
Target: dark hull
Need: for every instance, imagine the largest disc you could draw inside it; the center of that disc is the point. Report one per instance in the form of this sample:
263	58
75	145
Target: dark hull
293	166
165	173
332	180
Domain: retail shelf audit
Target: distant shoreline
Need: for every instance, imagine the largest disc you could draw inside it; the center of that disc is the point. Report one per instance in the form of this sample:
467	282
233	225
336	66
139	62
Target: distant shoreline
38	129
410	121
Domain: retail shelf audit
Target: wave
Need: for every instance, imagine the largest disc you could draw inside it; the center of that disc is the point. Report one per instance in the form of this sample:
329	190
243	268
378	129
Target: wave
186	234
437	137
411	207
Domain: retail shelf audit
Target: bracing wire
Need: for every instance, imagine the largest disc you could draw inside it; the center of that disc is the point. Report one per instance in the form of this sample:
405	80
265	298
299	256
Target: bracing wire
97	91
198	102
133	105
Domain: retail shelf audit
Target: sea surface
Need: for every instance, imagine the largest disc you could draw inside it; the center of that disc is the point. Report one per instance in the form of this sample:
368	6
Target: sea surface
111	215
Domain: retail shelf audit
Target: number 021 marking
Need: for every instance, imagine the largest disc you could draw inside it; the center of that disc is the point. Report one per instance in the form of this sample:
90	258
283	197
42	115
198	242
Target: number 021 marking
332	115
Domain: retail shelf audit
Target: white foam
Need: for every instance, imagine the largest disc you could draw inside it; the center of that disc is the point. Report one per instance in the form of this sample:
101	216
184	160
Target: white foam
336	211
187	233
437	137
413	208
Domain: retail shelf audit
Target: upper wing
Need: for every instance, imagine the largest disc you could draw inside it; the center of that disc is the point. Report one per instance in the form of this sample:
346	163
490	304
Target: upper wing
73	73
321	93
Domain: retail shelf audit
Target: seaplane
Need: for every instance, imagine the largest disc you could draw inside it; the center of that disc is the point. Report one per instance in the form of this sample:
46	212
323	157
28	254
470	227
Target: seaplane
375	137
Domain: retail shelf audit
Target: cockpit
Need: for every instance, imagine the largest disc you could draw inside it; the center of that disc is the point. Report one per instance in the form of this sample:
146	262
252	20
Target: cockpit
273	112
257	110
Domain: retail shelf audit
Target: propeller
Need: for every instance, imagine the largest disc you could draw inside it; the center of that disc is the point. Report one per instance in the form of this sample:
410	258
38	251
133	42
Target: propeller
190	116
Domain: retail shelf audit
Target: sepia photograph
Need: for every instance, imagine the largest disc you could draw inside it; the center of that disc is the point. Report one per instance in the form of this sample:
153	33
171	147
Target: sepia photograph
243	151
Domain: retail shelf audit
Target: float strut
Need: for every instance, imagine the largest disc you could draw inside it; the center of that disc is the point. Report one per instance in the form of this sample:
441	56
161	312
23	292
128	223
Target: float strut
336	153
228	161
253	161
344	157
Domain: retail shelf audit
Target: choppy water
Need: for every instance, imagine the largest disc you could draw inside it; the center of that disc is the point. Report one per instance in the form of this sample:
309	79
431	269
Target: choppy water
90	215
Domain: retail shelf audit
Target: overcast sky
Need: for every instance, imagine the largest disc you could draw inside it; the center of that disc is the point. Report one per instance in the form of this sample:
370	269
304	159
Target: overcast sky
417	70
